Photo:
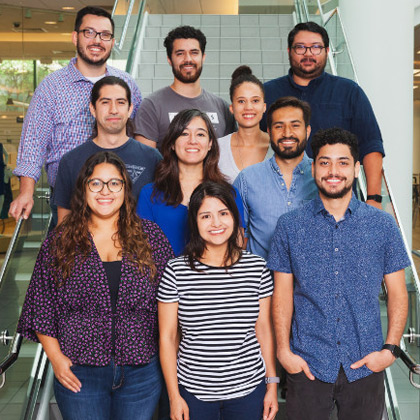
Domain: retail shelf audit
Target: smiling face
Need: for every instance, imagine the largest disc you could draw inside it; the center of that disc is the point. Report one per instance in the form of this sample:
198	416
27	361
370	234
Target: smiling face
308	66
93	51
186	60
105	204
288	133
192	146
215	222
248	104
334	171
111	110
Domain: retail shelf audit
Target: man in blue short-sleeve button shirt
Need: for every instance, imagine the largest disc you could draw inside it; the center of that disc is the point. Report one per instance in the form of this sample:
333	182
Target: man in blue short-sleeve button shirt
329	258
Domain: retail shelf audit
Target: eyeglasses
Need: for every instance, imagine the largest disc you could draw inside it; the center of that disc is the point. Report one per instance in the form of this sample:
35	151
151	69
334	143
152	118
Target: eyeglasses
314	49
114	185
90	34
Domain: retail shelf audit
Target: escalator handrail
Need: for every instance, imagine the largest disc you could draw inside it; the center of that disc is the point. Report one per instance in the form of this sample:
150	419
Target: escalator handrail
120	43
13	354
10	249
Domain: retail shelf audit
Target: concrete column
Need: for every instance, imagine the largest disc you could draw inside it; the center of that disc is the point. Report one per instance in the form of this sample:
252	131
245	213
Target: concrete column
380	35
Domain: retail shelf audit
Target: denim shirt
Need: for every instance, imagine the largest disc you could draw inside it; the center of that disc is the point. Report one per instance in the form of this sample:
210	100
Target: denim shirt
338	268
265	198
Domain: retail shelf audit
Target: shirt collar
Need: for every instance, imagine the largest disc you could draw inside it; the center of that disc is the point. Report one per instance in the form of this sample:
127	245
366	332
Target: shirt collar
75	75
304	166
318	206
313	82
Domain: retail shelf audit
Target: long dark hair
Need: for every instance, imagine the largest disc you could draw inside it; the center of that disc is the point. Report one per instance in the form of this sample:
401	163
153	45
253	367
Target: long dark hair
196	246
167	171
73	239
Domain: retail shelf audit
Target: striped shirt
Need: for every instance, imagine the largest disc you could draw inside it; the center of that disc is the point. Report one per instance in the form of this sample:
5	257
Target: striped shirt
219	355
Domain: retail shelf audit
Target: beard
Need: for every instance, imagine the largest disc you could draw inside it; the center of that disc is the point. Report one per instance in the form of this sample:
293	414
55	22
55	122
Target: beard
302	72
81	54
189	78
336	194
289	153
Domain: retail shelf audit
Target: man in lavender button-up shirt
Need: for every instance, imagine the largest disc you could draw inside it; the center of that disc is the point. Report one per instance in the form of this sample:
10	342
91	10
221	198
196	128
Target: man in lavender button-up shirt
58	117
282	183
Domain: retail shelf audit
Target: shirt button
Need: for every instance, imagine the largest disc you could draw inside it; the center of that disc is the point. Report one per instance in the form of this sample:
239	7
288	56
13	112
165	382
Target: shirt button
336	249
338	342
337	296
336	273
338	319
336	226
289	202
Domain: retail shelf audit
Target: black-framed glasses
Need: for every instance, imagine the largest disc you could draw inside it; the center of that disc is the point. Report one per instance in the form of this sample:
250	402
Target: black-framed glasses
90	34
114	185
314	49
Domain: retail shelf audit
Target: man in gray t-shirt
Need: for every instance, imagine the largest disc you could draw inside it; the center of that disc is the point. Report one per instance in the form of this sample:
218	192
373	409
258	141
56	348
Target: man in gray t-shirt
185	48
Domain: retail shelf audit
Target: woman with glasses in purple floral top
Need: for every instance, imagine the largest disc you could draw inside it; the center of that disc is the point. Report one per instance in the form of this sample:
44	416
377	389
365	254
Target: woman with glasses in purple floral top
92	303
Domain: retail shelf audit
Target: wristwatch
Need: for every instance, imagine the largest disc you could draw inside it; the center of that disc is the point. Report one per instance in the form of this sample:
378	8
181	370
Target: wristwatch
272	380
393	348
375	197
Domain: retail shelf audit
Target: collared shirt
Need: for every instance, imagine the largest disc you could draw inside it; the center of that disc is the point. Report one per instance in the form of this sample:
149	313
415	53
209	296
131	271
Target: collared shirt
335	102
58	119
265	197
338	268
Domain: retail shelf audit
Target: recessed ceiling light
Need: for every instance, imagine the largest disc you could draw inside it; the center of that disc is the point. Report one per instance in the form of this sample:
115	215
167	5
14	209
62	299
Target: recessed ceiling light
416	72
50	22
415	87
418	52
68	8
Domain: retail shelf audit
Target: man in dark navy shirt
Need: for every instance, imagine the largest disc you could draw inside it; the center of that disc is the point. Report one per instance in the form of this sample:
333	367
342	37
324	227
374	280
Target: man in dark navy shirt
111	107
329	258
335	101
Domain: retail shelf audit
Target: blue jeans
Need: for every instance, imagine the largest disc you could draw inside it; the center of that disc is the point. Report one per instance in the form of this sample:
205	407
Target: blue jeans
249	407
112	392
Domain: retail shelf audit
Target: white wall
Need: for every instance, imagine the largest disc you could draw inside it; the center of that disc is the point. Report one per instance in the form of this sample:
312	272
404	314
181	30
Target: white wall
380	34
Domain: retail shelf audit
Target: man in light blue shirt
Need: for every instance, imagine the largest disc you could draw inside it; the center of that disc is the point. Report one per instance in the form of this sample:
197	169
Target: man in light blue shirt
282	183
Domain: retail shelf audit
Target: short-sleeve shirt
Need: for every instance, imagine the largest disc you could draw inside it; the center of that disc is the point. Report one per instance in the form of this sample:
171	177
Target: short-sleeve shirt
173	220
227	164
338	269
140	161
219	355
157	111
335	102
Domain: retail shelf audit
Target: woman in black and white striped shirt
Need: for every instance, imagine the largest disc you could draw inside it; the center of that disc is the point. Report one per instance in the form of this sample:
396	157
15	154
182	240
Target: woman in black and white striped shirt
221	297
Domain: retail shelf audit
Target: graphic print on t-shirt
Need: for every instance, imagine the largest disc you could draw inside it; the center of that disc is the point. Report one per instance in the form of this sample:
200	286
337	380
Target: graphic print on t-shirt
134	171
213	116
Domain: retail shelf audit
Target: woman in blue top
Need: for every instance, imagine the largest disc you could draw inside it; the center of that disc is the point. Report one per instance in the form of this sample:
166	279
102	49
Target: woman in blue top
190	156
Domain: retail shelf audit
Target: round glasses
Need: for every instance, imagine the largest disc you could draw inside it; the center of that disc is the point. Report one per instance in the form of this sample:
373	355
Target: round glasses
90	34
314	49
114	185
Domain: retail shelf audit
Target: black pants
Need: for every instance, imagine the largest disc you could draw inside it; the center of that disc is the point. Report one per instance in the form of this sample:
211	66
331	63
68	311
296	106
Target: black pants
363	399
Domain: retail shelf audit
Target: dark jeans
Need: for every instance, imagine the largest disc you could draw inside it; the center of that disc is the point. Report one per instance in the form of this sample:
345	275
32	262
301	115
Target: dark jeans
315	400
249	407
112	392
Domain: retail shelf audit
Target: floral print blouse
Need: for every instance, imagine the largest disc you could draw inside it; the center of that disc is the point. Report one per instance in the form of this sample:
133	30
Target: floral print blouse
79	313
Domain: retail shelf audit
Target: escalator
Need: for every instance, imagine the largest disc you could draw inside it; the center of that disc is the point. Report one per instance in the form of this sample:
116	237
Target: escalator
26	385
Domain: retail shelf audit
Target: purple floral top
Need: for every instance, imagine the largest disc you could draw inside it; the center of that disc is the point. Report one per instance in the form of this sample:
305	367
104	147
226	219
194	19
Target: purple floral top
79	313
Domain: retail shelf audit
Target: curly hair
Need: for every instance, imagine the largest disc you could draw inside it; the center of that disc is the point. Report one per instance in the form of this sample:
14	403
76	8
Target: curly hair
167	171
184	32
196	245
72	239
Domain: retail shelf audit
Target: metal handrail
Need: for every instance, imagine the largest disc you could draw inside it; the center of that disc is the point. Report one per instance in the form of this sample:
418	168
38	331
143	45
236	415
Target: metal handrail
120	43
133	59
10	249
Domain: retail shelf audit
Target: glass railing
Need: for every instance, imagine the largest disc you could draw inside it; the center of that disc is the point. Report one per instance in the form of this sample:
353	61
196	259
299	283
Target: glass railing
18	374
402	378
